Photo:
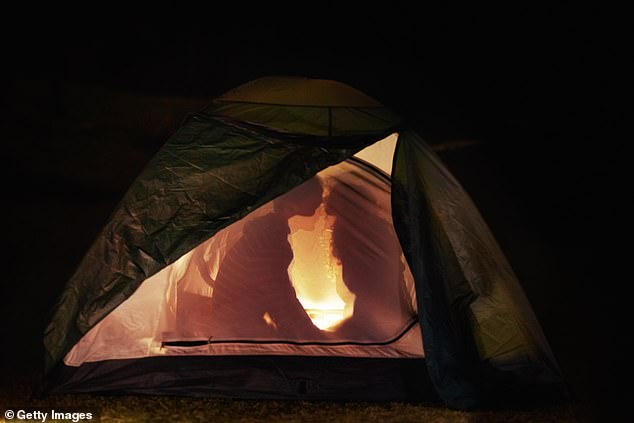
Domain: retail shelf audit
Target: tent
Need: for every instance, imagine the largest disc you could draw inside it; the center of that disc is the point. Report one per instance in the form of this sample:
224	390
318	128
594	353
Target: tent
295	239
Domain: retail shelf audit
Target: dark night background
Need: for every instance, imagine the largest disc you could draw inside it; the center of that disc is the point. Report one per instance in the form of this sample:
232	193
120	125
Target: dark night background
546	95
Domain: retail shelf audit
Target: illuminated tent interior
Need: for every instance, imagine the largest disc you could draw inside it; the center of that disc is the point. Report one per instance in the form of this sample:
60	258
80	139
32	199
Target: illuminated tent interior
295	239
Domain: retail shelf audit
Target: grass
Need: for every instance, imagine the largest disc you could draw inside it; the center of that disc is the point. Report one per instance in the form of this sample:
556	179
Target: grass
16	394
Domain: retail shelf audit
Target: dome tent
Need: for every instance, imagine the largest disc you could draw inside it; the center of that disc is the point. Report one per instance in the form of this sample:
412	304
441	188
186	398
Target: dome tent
137	314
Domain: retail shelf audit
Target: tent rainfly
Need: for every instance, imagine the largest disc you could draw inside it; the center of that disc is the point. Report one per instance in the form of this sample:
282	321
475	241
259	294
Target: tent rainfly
295	239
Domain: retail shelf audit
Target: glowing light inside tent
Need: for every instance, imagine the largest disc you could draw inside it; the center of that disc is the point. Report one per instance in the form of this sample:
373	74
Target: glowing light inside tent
316	274
325	318
269	320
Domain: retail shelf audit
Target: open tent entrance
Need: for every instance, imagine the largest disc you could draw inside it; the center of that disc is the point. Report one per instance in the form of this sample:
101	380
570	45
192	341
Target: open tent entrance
352	292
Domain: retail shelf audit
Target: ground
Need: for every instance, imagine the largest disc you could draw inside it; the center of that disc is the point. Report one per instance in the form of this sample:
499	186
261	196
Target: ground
160	408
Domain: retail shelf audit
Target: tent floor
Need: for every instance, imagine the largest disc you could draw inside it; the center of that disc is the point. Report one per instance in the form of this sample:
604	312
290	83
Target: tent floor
253	377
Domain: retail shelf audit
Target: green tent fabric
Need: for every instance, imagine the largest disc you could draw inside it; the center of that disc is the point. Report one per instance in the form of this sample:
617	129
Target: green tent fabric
259	141
480	334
